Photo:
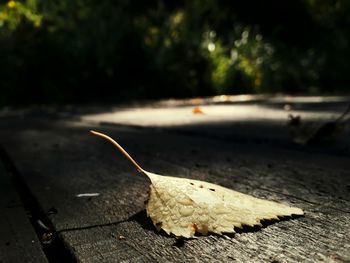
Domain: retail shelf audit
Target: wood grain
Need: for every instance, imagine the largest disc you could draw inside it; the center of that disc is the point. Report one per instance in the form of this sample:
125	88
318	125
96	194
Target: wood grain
59	160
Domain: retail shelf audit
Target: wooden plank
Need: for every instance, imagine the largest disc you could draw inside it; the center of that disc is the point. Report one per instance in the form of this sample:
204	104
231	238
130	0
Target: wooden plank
258	121
61	161
288	241
18	242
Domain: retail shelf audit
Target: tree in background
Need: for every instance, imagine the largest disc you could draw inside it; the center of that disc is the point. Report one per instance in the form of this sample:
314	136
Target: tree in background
87	50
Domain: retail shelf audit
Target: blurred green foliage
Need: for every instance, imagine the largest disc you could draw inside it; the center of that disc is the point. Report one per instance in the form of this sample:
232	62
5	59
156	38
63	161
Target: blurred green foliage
87	51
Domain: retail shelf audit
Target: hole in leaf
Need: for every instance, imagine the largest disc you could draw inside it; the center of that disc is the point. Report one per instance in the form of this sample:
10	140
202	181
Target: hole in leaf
194	226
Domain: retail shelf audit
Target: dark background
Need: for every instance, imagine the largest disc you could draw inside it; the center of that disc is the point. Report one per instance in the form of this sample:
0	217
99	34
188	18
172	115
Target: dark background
86	51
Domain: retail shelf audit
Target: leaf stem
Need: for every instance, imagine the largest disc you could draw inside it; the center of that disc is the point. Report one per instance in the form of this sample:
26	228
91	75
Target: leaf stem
120	148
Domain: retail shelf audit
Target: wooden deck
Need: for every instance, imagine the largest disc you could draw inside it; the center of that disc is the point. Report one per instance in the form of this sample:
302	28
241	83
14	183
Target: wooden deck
48	158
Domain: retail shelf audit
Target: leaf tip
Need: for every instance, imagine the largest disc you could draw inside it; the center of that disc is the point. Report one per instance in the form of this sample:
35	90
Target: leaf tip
298	212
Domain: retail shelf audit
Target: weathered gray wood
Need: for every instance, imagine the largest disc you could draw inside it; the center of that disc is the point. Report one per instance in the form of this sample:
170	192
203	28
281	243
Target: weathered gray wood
18	241
59	162
283	242
251	154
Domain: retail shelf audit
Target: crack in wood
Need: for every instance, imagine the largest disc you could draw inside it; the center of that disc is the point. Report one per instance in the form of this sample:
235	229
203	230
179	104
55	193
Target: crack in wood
54	248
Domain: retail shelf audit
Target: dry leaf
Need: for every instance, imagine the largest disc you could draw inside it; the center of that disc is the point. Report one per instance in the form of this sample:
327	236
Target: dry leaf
197	110
315	133
184	207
